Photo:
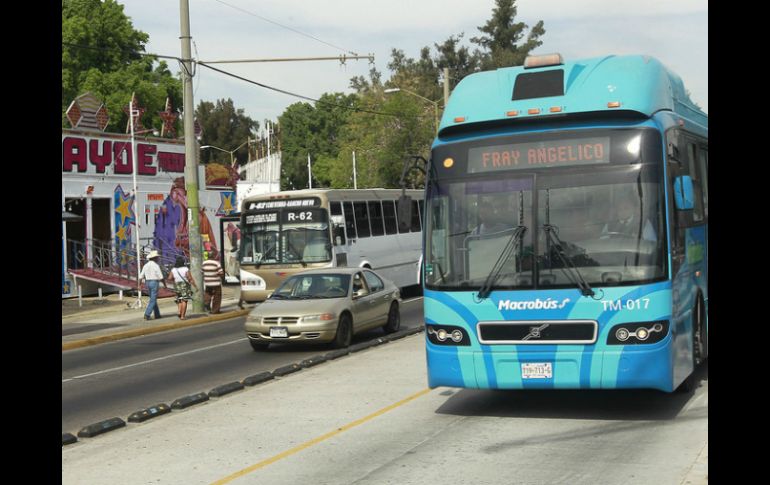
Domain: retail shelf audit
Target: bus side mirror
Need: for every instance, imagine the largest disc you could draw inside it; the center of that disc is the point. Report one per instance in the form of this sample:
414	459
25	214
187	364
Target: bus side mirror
404	208
684	193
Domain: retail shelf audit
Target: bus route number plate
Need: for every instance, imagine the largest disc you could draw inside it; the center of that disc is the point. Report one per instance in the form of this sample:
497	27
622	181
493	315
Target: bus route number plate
537	370
279	332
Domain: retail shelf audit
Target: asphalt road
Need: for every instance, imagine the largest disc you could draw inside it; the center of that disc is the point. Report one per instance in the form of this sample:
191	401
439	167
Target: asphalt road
118	378
368	418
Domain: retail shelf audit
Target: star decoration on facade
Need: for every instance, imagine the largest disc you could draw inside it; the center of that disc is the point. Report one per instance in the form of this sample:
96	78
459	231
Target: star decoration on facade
88	112
124	213
227	207
138	112
169	118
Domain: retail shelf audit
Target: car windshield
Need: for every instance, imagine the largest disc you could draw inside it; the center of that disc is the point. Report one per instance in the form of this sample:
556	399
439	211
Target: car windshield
314	286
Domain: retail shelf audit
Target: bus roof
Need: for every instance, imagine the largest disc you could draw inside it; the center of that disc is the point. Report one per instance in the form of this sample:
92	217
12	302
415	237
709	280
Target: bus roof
342	194
635	83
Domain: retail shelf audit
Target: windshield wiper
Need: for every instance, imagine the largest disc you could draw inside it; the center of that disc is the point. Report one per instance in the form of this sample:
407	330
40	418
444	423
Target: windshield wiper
512	244
575	277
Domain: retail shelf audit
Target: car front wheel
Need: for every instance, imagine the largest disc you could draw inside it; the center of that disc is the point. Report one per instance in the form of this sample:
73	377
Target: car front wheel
394	319
344	332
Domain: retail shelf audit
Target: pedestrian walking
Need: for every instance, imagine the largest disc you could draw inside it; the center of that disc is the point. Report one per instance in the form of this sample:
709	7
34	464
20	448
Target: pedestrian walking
212	282
153	275
183	285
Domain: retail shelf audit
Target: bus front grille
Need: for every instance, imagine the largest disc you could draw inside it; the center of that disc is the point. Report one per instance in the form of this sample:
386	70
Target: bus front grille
538	332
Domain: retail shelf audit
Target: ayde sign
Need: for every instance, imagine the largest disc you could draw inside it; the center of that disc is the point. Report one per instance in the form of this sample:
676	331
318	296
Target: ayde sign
86	155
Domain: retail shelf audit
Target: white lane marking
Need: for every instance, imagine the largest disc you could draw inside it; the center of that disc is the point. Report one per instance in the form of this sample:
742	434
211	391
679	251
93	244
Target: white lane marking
106	371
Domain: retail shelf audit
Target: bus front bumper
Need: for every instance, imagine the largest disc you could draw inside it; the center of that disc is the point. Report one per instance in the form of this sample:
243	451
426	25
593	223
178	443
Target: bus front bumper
557	368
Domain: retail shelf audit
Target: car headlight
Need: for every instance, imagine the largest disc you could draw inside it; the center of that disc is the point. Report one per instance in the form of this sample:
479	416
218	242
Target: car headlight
254	319
321	317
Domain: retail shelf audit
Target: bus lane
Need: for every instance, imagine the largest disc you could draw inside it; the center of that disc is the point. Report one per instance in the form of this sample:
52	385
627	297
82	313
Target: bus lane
369	418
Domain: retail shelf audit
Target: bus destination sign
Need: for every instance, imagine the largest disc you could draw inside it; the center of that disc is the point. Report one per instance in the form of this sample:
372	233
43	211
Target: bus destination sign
285	204
557	153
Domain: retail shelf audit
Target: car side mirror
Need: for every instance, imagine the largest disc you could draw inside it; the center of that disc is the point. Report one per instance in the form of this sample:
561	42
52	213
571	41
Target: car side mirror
404	208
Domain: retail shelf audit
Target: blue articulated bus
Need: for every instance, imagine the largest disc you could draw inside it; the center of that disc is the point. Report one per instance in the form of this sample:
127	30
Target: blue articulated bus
566	229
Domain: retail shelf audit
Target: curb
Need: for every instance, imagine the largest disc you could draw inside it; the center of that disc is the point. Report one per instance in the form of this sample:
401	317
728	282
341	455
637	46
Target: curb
202	397
76	344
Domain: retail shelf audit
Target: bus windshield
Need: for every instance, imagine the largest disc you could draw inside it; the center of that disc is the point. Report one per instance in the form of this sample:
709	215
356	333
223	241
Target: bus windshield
286	236
595	225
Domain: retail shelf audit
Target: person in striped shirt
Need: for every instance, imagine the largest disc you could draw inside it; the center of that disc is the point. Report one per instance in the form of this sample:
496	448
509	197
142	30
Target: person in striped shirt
212	282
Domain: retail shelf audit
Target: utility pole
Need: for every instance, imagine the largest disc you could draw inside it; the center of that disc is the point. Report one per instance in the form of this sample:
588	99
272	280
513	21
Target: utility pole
191	160
446	86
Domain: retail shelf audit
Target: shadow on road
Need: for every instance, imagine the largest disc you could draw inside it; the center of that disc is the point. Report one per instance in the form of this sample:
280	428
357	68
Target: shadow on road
631	405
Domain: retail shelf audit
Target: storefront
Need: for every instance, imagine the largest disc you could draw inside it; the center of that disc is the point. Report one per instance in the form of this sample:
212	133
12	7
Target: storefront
98	186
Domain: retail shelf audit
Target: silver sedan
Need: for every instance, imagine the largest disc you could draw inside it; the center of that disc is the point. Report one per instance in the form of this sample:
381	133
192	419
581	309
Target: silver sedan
325	305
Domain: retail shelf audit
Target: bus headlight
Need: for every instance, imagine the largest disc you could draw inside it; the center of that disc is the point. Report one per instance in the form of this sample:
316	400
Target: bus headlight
250	281
447	335
638	333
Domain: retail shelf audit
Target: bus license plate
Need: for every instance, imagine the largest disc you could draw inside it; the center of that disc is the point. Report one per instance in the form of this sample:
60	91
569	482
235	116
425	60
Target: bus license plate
537	370
279	332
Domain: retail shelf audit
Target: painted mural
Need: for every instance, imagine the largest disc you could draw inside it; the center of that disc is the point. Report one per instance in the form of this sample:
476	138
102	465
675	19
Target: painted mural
171	236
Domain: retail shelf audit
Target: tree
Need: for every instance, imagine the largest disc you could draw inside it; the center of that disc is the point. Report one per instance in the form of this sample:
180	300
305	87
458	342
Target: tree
102	53
313	130
227	128
503	35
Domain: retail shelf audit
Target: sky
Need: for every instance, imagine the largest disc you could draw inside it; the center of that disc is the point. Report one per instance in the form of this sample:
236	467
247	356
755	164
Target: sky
675	32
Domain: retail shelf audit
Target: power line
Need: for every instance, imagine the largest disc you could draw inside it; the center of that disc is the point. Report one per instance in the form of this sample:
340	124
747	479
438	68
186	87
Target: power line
289	93
287	27
256	83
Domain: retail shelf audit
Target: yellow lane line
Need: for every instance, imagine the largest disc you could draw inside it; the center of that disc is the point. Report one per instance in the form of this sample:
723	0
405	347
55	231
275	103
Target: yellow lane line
319	439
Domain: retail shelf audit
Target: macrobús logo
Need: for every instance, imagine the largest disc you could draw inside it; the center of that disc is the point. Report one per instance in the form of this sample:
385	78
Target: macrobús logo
537	304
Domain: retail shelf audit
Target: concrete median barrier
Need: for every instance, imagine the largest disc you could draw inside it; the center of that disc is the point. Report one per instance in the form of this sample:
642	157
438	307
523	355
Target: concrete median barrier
149	413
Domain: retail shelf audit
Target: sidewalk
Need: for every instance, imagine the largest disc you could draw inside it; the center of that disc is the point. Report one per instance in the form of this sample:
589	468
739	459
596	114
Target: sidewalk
96	320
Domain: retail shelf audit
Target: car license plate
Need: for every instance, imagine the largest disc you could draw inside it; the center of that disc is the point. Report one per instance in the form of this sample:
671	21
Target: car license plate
278	332
537	370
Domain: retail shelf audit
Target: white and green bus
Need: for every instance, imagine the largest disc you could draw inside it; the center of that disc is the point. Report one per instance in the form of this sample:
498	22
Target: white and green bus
283	233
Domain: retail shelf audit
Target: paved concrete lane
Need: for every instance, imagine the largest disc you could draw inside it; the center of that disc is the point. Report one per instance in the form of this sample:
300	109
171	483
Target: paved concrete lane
369	418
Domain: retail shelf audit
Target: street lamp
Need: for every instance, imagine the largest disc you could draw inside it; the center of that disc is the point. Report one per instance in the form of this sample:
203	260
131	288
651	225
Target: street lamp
231	152
434	103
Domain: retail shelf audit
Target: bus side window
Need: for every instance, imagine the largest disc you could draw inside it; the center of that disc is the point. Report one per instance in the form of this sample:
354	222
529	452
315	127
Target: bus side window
338	229
703	165
422	212
389	213
692	171
362	219
415	217
402	228
350	225
375	218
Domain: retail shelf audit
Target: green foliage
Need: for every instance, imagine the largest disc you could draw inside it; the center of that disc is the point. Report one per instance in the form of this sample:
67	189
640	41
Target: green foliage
108	63
227	128
503	35
404	123
314	130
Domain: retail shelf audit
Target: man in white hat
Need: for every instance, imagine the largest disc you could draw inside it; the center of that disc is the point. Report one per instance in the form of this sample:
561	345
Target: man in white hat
153	275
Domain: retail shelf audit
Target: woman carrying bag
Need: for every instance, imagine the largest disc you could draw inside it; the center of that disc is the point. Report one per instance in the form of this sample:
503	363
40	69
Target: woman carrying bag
183	284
